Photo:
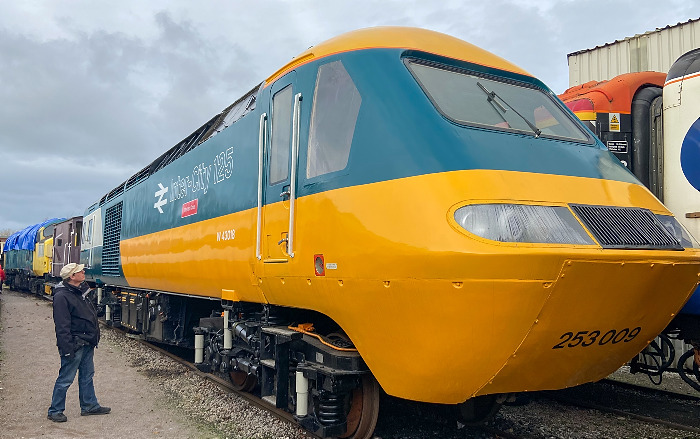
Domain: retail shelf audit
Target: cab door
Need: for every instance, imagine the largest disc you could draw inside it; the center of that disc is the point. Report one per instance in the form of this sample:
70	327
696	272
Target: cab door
279	139
91	241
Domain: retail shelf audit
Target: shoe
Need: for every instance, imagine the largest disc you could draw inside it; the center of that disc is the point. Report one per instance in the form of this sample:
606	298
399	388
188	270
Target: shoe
57	417
97	411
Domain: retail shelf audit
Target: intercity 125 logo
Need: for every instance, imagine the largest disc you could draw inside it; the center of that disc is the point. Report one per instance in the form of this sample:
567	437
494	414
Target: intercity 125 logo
162	200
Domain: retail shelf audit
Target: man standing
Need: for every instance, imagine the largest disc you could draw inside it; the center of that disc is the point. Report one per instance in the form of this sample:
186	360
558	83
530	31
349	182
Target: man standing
2	278
77	335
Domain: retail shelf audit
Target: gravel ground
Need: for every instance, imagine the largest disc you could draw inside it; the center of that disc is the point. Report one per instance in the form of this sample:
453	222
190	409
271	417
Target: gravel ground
201	400
153	396
547	419
150	395
542	418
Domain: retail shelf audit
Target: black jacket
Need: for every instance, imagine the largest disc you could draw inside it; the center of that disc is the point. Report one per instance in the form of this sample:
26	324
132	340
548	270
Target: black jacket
75	318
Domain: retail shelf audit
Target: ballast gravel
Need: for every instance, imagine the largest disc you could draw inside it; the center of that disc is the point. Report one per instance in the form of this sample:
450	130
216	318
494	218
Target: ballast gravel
225	414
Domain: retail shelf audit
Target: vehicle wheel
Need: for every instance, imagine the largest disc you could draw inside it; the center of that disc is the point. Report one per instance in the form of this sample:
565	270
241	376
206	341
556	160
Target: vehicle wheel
363	410
242	381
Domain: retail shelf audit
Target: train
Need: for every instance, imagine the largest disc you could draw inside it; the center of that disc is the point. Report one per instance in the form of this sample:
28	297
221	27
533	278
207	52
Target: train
394	210
33	257
651	122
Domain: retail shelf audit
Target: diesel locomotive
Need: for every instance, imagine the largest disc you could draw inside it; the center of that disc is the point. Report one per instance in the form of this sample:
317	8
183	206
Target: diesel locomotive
28	256
33	257
651	122
393	209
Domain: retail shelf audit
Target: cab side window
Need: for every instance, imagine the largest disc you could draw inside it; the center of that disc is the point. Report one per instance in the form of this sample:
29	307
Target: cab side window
281	135
87	233
333	119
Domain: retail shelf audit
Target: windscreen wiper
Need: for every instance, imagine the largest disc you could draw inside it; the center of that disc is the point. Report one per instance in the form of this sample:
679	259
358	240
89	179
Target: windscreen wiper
498	108
492	100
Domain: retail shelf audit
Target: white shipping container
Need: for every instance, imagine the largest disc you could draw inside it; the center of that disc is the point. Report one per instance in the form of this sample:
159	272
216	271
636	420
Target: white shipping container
651	51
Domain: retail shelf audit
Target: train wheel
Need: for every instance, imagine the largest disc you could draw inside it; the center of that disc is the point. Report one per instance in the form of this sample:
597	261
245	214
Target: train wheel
479	409
242	381
364	410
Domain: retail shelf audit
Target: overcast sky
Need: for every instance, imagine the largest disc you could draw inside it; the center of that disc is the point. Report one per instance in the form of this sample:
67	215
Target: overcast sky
92	91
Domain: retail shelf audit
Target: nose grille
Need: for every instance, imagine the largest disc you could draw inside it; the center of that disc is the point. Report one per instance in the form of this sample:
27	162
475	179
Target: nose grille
626	227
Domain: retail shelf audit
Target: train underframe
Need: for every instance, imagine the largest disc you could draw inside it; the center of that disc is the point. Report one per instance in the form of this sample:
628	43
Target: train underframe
25	280
296	360
660	355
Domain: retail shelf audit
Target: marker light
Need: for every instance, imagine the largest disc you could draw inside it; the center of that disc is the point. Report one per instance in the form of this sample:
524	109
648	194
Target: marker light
523	223
319	265
677	230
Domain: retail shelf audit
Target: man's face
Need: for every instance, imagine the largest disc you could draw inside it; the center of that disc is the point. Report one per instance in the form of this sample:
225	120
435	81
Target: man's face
78	276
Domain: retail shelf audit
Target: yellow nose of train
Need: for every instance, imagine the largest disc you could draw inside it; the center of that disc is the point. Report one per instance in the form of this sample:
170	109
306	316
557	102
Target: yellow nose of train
591	320
497	317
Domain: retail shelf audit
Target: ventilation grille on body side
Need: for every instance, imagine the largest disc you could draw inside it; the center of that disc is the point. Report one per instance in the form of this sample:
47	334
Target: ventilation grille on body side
112	234
625	227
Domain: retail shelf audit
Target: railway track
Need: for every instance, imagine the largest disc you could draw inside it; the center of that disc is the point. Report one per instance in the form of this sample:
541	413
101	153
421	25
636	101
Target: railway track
653	389
427	418
403	419
647	404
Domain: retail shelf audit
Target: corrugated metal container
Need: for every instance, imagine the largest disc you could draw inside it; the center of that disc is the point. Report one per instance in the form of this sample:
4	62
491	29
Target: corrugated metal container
651	51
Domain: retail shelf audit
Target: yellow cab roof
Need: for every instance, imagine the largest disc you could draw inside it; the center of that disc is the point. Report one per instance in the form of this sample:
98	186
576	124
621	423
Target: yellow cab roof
395	37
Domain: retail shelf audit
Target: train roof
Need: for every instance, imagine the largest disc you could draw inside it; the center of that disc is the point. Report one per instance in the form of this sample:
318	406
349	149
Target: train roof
26	238
211	128
397	37
688	64
614	95
386	37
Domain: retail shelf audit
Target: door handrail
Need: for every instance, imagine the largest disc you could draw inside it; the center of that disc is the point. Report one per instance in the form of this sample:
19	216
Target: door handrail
261	149
293	182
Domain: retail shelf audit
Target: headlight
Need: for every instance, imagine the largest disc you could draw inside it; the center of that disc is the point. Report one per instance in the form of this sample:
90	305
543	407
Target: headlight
678	231
523	223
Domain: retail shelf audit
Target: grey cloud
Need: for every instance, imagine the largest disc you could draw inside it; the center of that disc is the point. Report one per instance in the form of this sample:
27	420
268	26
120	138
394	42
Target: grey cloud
108	101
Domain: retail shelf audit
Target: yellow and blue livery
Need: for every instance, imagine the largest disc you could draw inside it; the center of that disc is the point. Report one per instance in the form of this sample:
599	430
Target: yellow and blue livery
393	204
